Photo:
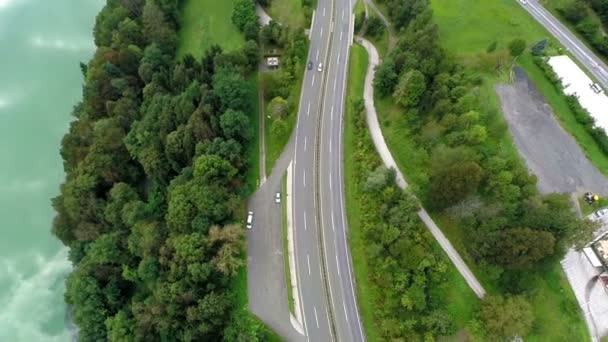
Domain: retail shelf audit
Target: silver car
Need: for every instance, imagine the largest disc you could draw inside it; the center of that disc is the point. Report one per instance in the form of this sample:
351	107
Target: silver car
250	220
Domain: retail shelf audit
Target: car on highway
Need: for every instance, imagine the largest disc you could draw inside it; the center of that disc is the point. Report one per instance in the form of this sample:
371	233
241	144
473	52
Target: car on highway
320	68
599	214
277	198
310	65
250	220
524	2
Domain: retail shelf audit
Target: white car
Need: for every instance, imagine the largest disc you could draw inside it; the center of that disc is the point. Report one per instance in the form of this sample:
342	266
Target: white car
524	2
320	68
277	198
599	214
250	220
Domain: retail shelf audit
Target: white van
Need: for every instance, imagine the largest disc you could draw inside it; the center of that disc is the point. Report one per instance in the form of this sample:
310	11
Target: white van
250	220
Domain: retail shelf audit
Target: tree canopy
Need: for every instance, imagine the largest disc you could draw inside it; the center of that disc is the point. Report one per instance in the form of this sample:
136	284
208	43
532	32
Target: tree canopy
154	182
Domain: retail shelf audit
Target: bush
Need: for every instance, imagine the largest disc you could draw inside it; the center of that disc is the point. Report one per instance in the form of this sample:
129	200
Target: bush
278	128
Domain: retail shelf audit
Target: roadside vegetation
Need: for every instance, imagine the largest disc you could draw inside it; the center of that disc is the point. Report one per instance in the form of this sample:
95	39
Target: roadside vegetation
372	28
441	119
282	86
401	273
442	304
156	178
284	221
586	19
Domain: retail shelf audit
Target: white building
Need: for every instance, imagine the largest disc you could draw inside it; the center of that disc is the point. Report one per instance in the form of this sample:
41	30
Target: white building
577	83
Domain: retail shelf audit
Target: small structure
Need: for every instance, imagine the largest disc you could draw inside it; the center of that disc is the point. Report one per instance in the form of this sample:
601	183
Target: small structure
272	62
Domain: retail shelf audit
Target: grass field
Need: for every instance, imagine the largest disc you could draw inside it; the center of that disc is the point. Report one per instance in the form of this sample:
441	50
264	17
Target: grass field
469	26
288	12
365	292
207	22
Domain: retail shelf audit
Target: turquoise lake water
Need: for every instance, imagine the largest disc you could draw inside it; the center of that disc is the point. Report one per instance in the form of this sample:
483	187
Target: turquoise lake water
41	45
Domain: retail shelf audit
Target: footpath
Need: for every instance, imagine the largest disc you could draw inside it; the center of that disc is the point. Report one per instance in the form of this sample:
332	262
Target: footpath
389	162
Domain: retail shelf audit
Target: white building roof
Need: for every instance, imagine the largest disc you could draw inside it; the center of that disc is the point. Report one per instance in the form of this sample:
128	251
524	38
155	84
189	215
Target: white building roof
577	83
593	259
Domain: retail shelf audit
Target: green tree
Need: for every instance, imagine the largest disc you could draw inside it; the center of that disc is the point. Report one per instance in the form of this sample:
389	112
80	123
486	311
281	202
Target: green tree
379	179
517	47
523	247
278	108
235	125
574	11
386	78
506	317
278	128
455	175
410	88
231	89
243	13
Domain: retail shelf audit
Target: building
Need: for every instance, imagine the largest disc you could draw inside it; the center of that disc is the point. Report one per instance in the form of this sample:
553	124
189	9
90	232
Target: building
272	62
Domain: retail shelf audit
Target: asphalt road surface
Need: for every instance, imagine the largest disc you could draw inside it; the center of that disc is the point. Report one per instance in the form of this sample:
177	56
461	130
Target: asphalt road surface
323	263
584	55
340	276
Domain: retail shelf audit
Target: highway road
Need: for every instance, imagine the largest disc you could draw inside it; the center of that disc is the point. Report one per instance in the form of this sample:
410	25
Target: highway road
326	280
308	254
582	53
323	265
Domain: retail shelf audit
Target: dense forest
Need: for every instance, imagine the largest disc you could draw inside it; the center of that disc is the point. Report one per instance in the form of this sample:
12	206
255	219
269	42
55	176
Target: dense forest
469	176
154	191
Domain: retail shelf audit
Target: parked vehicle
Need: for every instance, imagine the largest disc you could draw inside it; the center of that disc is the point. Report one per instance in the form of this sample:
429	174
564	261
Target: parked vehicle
250	220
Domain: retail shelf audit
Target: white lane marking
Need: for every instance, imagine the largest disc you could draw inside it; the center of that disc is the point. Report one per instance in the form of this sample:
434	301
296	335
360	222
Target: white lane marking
341	32
308	260
337	264
304	143
342	14
304	178
316	317
330	181
321	35
332	223
317	54
338	59
313	79
323	11
335	83
305	228
345	314
332	112
308	110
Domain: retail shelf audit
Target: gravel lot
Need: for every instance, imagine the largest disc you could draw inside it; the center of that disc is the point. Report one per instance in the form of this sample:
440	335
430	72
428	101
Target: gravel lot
549	151
561	166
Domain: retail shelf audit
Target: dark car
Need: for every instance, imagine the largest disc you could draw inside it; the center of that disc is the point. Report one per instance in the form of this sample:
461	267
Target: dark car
310	65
